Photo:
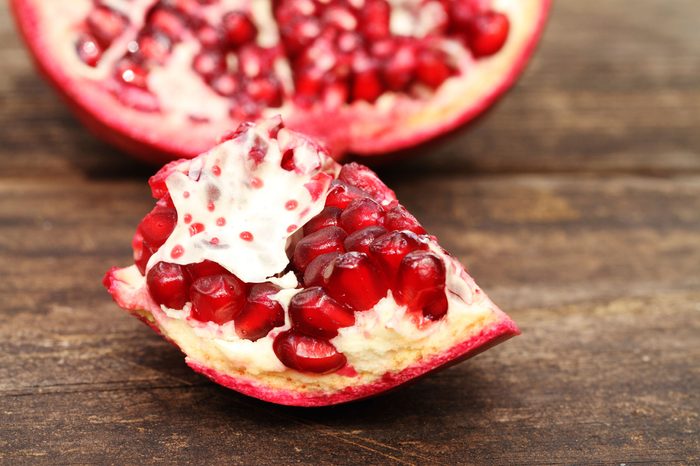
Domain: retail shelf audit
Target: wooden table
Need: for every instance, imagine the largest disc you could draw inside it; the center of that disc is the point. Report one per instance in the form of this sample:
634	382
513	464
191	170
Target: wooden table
575	204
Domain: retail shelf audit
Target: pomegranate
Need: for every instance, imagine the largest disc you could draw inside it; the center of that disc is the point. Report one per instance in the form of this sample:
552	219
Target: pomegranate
276	272
162	79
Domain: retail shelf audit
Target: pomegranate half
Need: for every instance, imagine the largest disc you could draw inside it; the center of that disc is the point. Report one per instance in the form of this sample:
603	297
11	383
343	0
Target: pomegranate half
286	277
162	79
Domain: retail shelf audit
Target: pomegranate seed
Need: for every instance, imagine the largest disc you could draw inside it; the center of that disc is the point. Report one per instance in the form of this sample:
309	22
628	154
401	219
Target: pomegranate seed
217	298
299	33
131	74
462	12
398	218
389	249
365	179
157	225
154	47
432	69
400	68
208	37
420	280
340	18
106	24
329	239
142	252
287	161
488	33
308	85
341	194
335	94
316	314
361	213
168	285
225	85
436	309
204	269
209	64
260	314
168	22
255	61
353	279
367	86
375	19
238	28
88	49
307	354
266	90
313	275
360	240
328	217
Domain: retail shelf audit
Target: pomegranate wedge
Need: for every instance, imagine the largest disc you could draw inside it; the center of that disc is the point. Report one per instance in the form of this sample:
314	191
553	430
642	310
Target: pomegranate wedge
162	79
261	284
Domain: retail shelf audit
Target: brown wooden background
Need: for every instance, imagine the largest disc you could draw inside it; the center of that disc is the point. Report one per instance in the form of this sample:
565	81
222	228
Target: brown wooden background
575	204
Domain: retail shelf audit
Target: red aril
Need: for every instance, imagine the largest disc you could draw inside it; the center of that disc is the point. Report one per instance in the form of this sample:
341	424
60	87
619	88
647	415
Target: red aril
217	298
284	304
164	79
361	213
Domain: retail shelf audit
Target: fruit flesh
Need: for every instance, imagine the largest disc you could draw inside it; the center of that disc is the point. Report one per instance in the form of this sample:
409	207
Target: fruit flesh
343	337
160	128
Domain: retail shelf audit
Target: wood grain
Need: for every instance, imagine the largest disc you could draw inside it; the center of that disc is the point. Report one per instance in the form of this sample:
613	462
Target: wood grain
575	203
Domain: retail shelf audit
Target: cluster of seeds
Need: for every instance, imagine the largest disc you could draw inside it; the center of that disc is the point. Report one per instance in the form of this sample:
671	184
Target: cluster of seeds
339	51
361	245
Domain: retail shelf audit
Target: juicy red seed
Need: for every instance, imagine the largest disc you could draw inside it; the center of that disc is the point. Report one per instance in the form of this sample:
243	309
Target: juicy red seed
436	309
432	69
287	161
361	240
88	49
308	83
316	314
388	250
157	225
341	194
307	354
142	252
400	68
238	28
361	213
367	86
131	74
154	47
376	15
354	280
106	24
399	218
208	36
487	33
313	275
363	178
265	90
421	280
168	22
168	285
209	64
323	241
260	314
217	298
225	85
328	217
204	269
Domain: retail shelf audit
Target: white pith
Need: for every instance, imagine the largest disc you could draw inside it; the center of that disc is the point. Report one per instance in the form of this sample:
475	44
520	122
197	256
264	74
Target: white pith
361	127
384	339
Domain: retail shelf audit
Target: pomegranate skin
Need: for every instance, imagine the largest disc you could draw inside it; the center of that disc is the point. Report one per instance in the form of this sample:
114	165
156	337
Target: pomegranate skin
372	134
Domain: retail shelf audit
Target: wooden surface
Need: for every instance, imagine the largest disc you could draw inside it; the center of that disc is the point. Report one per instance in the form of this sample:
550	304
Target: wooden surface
575	204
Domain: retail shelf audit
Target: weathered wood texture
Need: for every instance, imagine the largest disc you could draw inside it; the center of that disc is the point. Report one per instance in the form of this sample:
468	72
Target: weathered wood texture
575	204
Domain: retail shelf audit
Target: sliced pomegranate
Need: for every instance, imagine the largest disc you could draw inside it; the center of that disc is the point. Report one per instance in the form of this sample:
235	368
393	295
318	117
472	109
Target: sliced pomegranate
367	77
276	299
